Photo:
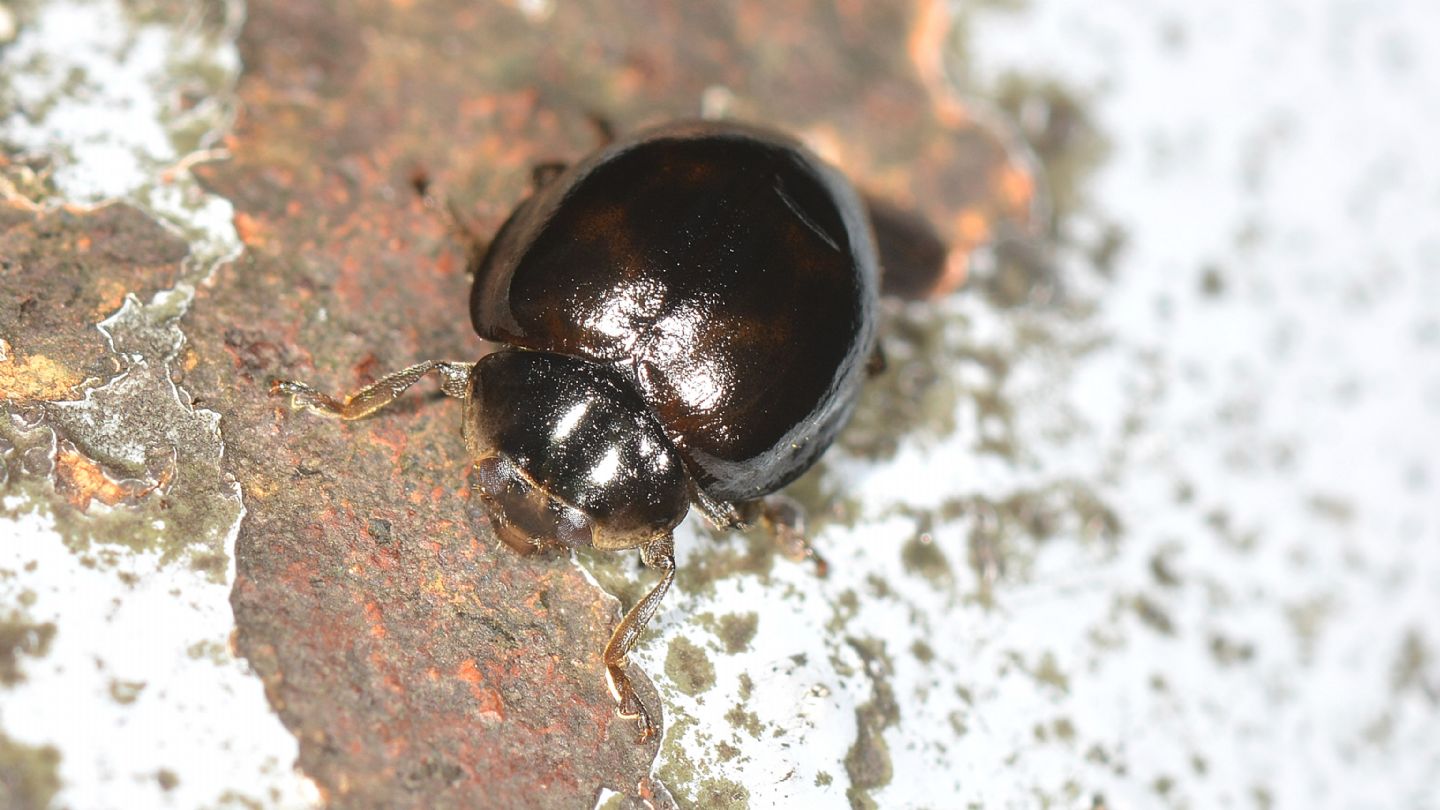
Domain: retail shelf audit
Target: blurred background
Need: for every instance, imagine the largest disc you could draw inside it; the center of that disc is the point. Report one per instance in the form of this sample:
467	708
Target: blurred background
1143	514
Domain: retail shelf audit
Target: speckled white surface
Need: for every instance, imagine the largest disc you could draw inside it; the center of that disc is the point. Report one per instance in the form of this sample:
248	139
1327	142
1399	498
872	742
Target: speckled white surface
139	680
97	90
1286	146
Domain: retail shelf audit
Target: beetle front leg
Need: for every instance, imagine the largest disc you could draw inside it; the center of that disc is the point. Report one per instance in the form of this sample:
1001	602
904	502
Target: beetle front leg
454	381
659	553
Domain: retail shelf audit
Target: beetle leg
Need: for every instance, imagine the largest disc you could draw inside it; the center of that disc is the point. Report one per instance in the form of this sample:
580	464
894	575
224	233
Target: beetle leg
658	553
454	381
782	516
603	126
542	173
476	246
455	221
786	521
875	365
723	515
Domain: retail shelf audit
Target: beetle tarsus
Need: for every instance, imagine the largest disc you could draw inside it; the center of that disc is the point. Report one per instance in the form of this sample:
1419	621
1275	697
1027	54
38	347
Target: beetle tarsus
876	364
303	397
786	521
454	381
659	553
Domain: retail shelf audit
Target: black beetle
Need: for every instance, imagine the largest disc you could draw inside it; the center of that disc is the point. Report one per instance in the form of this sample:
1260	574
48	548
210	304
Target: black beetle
687	316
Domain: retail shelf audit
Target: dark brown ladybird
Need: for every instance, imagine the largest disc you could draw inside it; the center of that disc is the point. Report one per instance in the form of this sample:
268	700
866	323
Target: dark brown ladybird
688	315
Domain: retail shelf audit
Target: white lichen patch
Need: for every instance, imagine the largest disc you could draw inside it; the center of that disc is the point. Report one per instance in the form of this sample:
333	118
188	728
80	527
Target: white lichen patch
138	690
108	100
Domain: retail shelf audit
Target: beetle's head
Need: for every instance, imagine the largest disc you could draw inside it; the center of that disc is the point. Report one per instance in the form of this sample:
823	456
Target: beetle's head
566	452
